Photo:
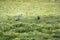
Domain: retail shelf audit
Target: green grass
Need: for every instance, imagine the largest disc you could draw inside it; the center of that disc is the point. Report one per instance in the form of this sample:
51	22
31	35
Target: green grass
29	28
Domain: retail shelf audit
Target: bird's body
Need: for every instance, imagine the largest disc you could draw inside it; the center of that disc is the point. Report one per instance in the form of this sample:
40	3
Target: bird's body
19	17
38	17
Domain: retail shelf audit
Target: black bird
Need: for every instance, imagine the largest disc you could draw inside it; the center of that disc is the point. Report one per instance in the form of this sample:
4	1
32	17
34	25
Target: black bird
38	17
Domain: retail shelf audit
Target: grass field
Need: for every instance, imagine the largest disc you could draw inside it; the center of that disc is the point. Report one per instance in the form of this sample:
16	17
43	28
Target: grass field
29	28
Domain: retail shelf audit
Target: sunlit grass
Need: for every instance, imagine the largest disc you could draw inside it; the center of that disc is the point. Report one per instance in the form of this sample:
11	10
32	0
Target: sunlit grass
29	8
29	28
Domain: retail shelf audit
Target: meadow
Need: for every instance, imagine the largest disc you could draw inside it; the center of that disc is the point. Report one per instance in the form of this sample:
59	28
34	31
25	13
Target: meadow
29	28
